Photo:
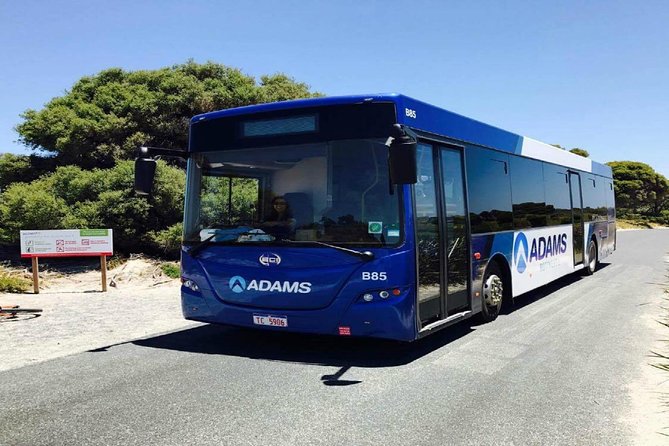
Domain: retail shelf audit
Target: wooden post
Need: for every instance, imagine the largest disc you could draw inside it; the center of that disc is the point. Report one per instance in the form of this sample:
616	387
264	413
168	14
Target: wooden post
103	269
35	275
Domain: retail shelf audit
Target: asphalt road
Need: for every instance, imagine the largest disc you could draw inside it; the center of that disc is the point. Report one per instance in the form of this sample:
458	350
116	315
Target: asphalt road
559	368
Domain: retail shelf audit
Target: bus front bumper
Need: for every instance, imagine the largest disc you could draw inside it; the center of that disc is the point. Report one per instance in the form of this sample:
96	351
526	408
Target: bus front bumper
391	318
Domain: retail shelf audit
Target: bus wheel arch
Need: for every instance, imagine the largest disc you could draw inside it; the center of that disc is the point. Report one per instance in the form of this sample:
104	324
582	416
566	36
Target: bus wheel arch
593	257
495	288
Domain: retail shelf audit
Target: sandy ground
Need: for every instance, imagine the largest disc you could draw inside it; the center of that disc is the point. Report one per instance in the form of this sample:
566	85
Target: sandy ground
78	317
650	396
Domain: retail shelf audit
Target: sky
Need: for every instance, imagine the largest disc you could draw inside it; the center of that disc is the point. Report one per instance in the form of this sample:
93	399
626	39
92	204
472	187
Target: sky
588	74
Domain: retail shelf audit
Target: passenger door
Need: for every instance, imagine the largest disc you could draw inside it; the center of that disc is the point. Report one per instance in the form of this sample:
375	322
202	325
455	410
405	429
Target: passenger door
428	237
576	216
441	233
455	229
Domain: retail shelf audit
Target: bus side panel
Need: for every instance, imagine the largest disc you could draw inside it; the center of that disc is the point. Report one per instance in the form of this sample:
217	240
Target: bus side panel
485	247
604	234
541	256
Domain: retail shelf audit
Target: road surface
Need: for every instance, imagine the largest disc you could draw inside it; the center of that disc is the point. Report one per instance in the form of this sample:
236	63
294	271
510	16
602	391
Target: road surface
567	365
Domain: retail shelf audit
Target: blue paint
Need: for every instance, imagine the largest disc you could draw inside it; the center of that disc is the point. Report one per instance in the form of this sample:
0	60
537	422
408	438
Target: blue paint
319	290
428	118
224	275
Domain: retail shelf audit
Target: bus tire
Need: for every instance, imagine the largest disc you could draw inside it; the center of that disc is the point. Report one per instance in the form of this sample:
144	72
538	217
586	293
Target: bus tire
591	265
493	289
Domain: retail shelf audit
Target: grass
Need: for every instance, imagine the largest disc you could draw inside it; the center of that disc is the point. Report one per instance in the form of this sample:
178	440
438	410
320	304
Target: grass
660	356
622	223
13	283
171	270
115	261
637	223
665	321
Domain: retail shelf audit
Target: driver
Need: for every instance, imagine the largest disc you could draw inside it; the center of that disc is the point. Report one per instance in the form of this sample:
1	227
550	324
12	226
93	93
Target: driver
280	220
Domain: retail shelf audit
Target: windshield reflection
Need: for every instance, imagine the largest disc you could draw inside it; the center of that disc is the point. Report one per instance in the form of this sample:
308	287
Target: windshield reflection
335	192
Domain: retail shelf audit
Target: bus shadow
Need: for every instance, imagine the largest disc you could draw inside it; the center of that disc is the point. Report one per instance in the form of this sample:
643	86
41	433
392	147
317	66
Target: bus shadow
333	351
533	296
342	352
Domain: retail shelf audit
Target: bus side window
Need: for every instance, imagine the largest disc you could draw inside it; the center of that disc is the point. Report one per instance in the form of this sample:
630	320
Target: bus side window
594	199
529	201
610	202
556	188
490	206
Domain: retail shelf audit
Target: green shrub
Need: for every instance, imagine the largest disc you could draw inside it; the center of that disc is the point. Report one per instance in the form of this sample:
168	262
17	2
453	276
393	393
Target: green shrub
664	218
115	261
10	283
169	240
72	198
171	270
29	206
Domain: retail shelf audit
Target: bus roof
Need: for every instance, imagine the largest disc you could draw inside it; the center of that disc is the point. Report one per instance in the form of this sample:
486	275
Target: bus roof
428	118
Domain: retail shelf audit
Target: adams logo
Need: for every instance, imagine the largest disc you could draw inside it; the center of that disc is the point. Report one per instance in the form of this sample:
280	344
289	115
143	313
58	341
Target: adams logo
520	252
541	248
238	285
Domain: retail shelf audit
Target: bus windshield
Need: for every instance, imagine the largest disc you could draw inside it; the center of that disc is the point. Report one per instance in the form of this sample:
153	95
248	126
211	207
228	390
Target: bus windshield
335	192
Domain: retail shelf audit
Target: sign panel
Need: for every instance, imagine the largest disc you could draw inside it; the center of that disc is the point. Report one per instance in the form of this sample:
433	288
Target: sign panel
541	256
67	243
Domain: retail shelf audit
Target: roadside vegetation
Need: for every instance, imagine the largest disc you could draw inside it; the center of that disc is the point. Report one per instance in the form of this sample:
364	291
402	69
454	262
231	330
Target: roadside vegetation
171	270
13	282
661	358
642	195
638	223
81	172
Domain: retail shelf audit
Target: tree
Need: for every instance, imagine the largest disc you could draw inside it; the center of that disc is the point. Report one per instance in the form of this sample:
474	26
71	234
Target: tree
581	152
639	188
105	117
13	168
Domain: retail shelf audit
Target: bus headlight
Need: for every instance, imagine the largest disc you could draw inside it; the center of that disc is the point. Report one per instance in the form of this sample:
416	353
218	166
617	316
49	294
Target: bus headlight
190	284
372	296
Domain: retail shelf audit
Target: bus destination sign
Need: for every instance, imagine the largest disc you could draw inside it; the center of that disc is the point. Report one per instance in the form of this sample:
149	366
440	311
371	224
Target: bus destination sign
67	243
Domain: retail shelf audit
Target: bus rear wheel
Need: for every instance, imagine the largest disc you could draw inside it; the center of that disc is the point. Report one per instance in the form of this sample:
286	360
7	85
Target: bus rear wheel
591	266
492	293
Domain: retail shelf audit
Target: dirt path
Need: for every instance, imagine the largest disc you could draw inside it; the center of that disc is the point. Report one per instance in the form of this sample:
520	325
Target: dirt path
78	317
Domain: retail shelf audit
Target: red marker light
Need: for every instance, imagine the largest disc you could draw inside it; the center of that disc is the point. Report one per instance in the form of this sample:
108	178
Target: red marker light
477	256
396	292
344	331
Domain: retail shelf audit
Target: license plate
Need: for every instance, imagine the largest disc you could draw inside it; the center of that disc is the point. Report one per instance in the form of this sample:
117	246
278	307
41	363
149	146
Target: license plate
272	321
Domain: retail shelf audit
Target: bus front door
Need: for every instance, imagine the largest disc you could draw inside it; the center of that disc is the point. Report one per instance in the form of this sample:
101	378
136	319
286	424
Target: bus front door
428	238
576	216
441	234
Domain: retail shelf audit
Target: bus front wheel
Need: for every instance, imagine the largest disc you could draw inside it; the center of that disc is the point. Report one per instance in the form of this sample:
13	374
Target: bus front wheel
591	266
492	292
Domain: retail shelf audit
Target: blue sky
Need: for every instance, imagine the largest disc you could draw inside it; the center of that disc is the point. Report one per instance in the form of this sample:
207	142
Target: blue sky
590	74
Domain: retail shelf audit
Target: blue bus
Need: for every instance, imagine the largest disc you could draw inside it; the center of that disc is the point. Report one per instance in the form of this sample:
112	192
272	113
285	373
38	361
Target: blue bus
378	216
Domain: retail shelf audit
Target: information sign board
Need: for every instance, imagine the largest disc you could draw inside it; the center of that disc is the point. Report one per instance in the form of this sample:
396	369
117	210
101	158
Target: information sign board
67	243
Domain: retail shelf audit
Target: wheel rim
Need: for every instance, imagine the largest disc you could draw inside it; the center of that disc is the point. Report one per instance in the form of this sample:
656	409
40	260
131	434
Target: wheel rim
493	290
592	257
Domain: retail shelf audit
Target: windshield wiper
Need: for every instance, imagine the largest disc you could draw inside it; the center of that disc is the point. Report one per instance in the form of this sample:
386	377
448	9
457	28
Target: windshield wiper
366	255
203	244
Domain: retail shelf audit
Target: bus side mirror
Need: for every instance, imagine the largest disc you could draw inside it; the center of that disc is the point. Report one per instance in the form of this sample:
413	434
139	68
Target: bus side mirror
145	171
402	157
